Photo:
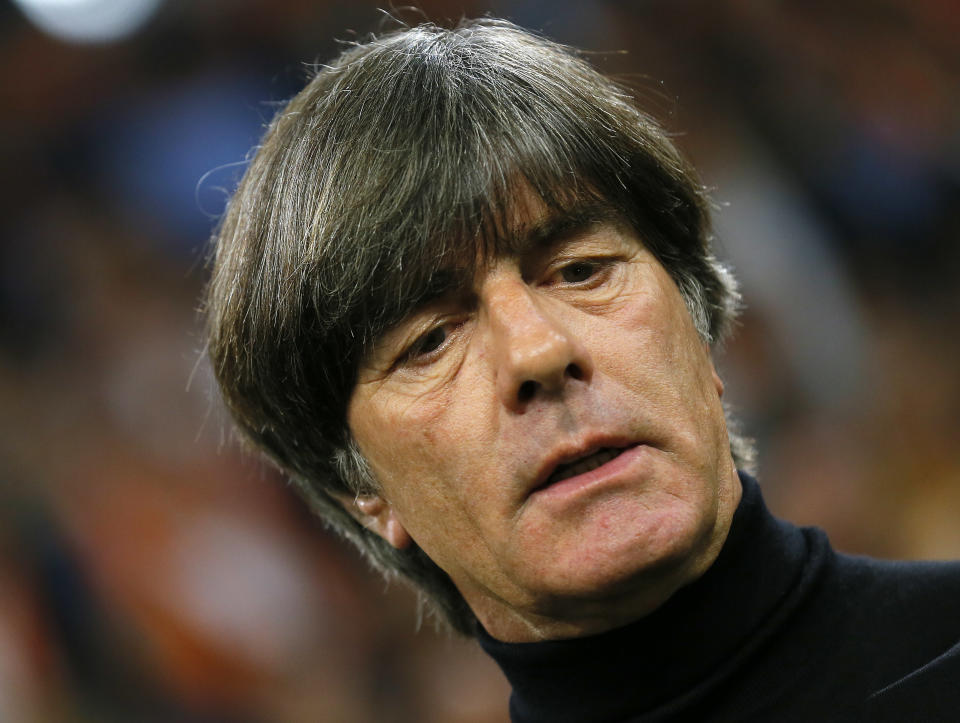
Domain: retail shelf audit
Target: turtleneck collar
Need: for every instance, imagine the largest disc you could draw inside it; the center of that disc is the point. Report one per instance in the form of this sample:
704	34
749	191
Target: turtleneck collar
690	643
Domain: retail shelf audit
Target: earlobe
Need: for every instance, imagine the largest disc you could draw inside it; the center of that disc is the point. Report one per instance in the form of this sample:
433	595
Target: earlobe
717	381
375	513
395	533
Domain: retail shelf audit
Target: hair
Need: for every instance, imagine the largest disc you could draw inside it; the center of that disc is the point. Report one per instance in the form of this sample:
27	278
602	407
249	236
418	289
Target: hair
396	160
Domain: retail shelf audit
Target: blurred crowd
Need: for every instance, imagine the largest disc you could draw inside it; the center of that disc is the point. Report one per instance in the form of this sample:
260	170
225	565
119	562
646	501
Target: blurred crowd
152	571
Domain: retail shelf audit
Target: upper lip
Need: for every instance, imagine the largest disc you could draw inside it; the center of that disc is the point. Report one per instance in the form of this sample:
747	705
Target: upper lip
571	452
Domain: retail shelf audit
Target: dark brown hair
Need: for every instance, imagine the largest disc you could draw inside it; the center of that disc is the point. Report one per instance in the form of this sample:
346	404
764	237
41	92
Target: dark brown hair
398	158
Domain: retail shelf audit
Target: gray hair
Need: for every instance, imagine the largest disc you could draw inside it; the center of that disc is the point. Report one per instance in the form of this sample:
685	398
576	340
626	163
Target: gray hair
397	160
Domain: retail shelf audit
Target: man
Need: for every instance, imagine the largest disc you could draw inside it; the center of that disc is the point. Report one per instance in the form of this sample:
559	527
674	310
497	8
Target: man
465	297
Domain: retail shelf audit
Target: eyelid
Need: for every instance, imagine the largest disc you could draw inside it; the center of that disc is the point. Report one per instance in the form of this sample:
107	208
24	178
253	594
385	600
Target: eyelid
408	356
603	265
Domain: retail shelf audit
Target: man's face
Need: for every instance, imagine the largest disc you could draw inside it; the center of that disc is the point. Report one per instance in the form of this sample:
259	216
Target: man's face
551	435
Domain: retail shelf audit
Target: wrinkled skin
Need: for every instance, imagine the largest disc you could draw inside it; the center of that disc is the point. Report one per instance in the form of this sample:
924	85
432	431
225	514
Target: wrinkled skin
576	343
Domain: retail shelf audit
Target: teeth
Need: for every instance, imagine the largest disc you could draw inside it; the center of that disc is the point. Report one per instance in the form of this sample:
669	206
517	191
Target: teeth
584	465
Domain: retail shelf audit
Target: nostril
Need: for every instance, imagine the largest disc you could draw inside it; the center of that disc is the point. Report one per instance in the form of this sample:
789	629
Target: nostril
526	391
574	372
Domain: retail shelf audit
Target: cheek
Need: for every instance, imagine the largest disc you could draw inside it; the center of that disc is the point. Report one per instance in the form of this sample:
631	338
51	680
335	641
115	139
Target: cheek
655	348
641	341
672	347
409	439
402	449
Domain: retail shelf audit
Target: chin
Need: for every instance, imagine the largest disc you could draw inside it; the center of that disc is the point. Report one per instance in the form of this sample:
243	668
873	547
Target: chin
629	551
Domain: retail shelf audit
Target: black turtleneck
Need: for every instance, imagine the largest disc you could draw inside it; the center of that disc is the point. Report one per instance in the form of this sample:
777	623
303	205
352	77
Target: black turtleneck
780	628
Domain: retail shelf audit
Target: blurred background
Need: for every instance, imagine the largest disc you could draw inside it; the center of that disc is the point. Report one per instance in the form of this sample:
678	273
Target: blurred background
150	572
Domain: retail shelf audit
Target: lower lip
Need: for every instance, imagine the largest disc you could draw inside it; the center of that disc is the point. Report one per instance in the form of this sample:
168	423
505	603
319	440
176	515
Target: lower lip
607	472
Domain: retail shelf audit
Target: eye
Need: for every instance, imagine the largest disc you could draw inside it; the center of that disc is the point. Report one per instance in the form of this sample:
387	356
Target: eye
429	342
426	345
582	273
579	271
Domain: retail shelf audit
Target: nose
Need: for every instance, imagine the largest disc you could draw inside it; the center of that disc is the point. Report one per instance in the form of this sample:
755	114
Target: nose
534	353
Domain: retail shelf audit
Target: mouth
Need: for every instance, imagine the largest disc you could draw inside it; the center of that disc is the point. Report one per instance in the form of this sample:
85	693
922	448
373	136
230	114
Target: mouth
582	465
571	465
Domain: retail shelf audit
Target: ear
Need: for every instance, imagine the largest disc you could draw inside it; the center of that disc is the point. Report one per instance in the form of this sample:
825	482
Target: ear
717	381
375	513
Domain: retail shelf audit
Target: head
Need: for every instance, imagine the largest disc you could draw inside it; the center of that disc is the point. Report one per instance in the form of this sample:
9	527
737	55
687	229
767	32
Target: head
418	171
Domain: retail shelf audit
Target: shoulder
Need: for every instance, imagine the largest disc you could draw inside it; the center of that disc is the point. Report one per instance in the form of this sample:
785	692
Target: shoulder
930	693
900	635
910	595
